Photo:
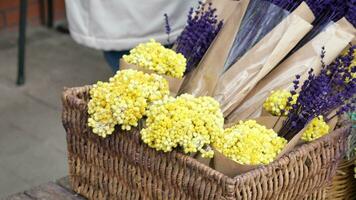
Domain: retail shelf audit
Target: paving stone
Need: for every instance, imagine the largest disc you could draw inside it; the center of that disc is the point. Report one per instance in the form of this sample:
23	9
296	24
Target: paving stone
13	141
20	196
32	139
51	191
10	183
36	164
64	182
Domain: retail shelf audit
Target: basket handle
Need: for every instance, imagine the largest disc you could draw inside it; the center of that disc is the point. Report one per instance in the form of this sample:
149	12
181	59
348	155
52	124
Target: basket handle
75	97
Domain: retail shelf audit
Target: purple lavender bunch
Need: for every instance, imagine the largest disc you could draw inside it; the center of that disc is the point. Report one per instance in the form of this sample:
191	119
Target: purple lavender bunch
167	27
201	29
351	12
333	89
328	10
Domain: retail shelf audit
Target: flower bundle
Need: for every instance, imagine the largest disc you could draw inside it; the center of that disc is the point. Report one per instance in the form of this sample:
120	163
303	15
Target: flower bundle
250	143
316	129
276	103
237	82
260	35
123	100
260	18
202	80
155	57
187	122
201	29
326	12
333	89
335	38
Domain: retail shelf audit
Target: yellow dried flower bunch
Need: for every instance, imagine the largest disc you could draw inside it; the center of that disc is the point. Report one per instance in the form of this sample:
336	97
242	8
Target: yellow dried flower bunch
187	122
123	100
352	67
316	129
154	56
276	103
250	143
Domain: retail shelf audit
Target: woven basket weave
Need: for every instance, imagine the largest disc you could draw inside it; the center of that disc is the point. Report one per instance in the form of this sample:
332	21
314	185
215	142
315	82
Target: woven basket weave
343	186
122	167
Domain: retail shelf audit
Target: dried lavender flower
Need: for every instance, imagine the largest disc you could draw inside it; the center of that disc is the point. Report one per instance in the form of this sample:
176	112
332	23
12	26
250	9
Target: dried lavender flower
333	89
167	27
201	29
289	5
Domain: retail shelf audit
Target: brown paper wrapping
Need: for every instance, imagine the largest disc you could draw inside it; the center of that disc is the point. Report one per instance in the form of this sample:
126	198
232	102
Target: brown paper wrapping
229	167
174	83
335	38
232	168
333	122
265	113
202	80
205	161
239	80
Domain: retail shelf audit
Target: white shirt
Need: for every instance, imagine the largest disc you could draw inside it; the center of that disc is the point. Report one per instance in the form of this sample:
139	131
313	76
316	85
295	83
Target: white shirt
122	24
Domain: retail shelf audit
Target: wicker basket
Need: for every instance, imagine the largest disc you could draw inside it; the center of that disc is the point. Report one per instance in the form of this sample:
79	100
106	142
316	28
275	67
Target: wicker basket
343	186
122	167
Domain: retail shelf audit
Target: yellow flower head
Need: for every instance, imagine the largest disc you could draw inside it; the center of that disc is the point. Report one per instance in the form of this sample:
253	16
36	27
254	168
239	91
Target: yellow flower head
187	122
352	66
154	56
123	100
250	143
316	129
276	103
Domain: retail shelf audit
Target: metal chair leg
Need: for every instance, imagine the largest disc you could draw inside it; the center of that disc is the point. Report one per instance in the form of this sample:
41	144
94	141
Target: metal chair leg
50	9
42	12
22	43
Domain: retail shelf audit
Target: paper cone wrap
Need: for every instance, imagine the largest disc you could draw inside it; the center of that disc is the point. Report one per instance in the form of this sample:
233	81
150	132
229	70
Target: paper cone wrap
206	161
335	38
332	123
235	84
202	80
229	167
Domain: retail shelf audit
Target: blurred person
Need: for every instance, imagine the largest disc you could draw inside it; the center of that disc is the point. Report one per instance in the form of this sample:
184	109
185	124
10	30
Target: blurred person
116	26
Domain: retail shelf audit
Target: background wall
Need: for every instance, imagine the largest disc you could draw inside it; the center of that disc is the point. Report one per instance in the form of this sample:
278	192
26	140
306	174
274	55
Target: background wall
9	12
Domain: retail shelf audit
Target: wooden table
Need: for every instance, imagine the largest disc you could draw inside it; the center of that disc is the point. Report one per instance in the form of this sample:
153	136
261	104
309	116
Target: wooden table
49	191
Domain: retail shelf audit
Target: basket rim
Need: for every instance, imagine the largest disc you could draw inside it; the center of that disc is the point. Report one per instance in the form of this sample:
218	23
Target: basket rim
73	98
